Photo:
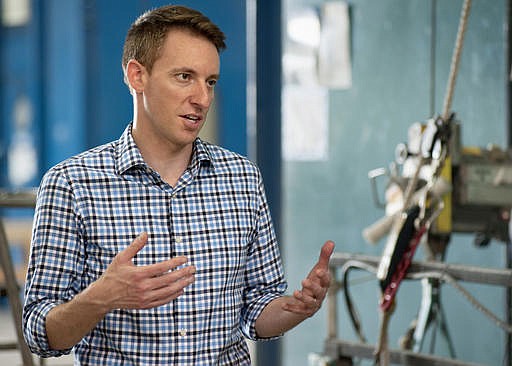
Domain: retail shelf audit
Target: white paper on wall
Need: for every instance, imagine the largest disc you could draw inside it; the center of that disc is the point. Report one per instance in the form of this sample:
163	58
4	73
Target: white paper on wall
334	65
305	123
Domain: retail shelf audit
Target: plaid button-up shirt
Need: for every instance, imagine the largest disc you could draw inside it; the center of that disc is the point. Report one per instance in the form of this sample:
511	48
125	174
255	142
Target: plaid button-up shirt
93	205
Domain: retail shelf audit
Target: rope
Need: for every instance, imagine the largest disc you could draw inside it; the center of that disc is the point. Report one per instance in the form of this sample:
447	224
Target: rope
382	351
472	300
382	357
454	67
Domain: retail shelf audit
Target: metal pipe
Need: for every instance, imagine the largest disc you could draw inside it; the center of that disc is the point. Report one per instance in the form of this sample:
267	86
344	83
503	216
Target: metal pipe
332	313
20	199
488	276
13	295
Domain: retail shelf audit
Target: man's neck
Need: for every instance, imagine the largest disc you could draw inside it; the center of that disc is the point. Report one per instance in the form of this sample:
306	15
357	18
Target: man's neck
168	161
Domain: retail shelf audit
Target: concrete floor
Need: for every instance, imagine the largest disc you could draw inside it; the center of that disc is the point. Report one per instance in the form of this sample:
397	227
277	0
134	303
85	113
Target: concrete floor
13	358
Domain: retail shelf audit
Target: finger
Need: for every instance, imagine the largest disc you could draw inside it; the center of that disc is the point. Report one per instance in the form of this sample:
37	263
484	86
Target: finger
313	283
170	291
323	277
163	267
162	301
297	306
293	301
164	279
313	289
168	284
309	299
136	246
297	310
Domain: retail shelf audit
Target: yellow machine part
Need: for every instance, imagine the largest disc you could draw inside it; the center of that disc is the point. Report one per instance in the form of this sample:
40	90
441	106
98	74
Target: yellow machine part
443	224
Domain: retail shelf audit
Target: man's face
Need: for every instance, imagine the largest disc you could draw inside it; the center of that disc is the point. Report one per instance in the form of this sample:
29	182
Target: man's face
179	90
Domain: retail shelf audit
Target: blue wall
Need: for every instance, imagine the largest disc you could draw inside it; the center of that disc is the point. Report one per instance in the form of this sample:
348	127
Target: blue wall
20	79
67	61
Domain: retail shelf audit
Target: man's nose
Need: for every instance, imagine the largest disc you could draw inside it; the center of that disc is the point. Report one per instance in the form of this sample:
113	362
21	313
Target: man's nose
202	95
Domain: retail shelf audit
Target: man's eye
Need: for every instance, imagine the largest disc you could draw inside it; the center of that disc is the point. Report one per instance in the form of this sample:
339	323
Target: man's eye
212	83
183	76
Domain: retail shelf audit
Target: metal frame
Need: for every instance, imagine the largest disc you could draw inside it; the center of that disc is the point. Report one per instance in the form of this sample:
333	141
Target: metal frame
342	351
24	199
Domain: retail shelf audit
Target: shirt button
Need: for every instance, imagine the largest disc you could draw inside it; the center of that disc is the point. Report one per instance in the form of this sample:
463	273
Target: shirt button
178	239
183	332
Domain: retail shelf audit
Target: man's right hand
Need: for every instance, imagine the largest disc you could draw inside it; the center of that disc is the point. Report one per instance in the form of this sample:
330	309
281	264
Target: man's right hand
122	286
127	286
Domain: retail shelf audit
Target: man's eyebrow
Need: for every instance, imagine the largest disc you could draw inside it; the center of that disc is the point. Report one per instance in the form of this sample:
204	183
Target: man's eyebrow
183	69
189	70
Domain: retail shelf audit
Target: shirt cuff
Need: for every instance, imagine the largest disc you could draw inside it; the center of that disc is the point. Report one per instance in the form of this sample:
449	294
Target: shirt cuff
249	328
35	332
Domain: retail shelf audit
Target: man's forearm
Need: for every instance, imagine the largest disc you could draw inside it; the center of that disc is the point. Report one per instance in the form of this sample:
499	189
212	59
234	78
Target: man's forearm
274	320
68	323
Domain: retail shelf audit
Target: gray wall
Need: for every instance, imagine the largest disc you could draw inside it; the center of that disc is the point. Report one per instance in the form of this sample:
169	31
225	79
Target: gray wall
391	71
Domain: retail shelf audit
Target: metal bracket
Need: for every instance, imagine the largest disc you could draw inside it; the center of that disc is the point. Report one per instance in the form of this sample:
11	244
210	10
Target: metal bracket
339	349
20	199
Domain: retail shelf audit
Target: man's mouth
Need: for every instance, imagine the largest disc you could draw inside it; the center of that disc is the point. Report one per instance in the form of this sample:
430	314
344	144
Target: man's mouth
192	118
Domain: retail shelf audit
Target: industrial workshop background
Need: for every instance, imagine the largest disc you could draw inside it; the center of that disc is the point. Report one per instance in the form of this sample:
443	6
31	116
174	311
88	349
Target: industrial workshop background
62	92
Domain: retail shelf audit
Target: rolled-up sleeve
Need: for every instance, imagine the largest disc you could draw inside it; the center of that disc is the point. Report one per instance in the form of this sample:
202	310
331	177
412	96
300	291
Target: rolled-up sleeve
56	259
264	273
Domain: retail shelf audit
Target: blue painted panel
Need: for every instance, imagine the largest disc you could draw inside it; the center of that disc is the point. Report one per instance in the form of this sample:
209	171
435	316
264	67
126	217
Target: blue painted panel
20	80
268	129
109	102
64	88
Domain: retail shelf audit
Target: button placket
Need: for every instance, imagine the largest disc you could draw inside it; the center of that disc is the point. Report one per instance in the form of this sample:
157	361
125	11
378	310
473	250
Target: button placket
178	242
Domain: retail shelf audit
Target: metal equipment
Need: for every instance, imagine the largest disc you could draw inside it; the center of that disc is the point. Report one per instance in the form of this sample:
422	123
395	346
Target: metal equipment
341	353
435	187
477	192
22	199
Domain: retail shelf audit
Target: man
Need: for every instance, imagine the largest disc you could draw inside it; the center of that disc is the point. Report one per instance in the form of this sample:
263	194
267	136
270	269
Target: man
158	248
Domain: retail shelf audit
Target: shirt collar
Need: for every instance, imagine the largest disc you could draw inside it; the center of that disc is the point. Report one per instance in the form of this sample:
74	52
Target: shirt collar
128	155
201	155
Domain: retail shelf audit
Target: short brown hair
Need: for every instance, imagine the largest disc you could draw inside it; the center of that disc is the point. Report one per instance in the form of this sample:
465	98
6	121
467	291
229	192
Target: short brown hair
146	35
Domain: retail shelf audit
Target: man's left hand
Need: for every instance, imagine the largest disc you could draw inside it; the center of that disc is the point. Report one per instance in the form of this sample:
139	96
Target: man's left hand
309	299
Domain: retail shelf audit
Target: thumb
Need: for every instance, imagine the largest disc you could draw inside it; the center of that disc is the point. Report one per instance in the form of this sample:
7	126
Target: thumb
322	266
136	245
325	254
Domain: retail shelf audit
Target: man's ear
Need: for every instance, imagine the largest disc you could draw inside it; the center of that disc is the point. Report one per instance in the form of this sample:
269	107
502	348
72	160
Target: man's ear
135	76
